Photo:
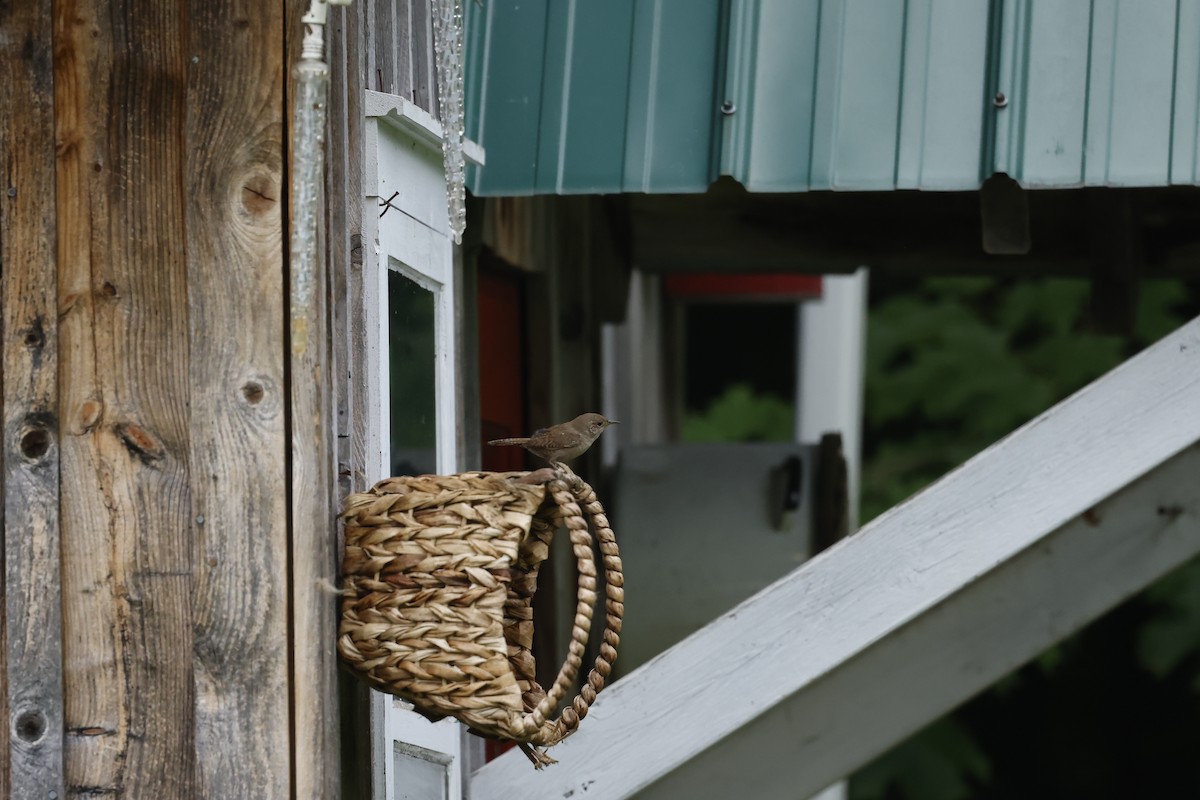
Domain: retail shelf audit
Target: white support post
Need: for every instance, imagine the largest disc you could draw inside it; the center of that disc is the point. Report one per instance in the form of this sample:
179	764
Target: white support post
635	392
832	348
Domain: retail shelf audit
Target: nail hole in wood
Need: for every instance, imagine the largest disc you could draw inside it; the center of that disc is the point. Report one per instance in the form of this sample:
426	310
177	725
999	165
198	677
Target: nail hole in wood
108	289
31	726
253	392
35	334
35	443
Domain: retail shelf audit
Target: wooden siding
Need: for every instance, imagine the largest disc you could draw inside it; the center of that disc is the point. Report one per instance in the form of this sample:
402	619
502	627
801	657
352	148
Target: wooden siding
314	554
348	51
398	57
128	564
31	680
174	492
186	648
237	398
147	361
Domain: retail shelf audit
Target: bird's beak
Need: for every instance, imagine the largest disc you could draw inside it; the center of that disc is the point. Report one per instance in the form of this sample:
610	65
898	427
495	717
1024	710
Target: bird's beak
613	422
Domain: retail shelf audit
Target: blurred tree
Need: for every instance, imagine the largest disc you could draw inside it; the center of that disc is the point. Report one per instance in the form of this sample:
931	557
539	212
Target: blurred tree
741	415
954	364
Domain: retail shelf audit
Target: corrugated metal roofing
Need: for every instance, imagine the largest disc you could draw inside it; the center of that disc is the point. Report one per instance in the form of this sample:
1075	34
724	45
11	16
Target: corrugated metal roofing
585	96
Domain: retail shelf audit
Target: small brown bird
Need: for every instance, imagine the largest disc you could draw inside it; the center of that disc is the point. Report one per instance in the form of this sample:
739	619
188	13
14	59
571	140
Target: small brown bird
564	441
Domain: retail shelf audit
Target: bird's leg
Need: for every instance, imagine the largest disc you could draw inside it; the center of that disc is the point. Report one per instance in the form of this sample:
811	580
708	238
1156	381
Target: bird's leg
568	475
543	475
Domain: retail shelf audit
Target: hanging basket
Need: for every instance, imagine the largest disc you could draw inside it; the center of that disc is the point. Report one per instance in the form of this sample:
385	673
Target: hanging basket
439	575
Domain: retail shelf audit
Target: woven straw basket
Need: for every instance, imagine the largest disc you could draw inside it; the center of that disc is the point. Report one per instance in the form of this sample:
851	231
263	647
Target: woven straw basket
439	575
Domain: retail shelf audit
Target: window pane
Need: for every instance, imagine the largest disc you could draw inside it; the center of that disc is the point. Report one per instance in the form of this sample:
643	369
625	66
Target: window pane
420	774
413	392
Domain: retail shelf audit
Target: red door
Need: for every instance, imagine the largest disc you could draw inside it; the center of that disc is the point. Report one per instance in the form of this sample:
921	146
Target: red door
501	367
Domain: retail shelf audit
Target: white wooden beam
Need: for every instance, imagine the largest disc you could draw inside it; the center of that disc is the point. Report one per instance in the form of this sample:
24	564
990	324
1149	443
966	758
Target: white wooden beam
914	675
929	604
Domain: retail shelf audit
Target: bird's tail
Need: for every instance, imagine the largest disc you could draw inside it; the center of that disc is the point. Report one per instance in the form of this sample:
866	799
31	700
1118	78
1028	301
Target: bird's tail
518	440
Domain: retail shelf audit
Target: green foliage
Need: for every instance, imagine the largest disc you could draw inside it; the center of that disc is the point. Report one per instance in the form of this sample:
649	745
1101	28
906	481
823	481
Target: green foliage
942	763
1171	638
958	363
953	365
741	415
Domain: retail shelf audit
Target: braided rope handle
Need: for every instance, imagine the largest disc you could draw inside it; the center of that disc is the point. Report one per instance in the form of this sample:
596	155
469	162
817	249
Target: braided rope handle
581	545
614	581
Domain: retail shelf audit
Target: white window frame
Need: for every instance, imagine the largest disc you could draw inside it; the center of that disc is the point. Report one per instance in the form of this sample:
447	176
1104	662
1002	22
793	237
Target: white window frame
403	165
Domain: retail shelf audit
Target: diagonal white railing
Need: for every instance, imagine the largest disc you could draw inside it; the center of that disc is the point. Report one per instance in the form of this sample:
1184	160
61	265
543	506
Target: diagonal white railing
927	605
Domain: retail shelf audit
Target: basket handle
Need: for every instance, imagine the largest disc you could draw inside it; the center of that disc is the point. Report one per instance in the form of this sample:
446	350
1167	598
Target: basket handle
614	582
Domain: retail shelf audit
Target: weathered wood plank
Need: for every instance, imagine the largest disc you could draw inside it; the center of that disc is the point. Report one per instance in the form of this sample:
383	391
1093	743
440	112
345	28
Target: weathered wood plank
4	754
32	676
127	525
932	601
344	224
384	39
238	392
338	236
424	82
356	211
402	25
370	74
96	738
311	399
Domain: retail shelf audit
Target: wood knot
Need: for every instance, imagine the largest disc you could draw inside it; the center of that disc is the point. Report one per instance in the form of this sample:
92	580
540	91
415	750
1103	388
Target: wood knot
67	304
260	194
89	415
35	443
253	392
35	334
30	726
142	444
92	730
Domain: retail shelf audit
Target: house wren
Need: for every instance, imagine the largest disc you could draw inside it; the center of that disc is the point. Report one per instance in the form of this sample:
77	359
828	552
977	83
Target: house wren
564	441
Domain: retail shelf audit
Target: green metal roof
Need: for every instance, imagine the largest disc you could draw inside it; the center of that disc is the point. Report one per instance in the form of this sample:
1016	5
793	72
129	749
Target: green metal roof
603	96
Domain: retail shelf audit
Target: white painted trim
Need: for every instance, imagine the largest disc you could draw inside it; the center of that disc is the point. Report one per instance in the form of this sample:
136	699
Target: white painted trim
426	257
377	377
380	435
407	116
443	738
931	602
